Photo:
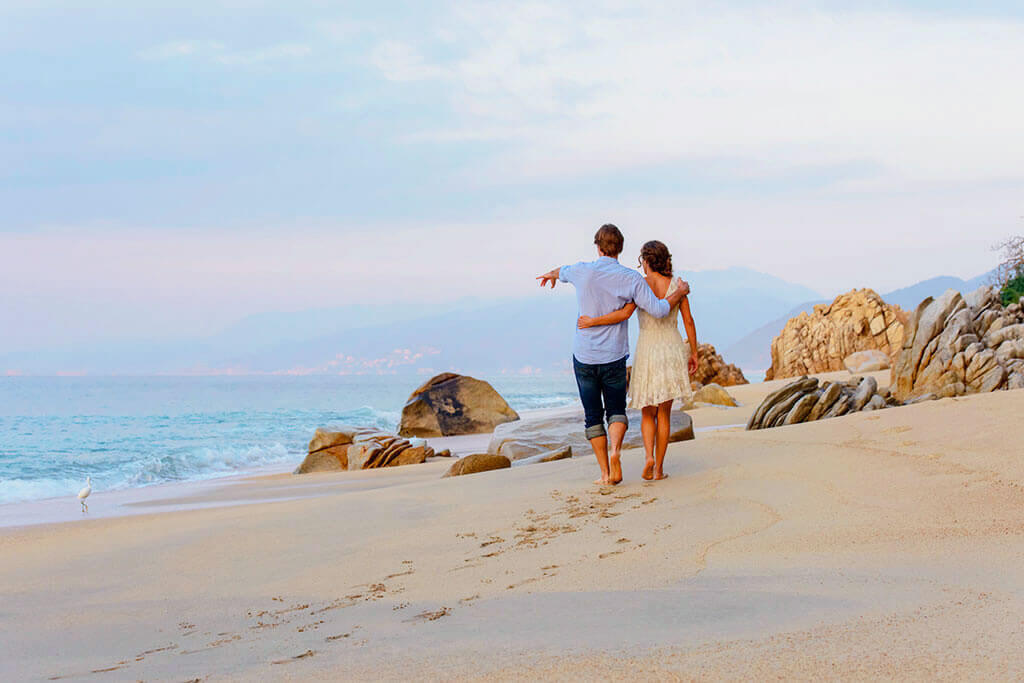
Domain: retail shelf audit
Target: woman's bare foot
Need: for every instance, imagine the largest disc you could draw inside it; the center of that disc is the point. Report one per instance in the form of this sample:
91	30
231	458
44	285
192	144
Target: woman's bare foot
615	467
648	469
602	482
658	476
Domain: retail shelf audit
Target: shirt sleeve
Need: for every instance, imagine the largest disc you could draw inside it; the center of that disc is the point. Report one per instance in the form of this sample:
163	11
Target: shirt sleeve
645	299
566	273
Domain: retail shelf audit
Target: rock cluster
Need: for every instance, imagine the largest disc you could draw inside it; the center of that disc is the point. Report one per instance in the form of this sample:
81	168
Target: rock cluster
856	321
807	400
451	404
520	440
958	345
712	369
358	448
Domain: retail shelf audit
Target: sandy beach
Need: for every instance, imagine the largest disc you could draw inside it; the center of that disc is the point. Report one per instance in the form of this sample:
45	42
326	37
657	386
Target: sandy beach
885	544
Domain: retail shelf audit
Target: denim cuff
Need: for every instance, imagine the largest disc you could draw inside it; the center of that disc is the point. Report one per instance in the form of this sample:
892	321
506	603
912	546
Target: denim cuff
618	418
595	431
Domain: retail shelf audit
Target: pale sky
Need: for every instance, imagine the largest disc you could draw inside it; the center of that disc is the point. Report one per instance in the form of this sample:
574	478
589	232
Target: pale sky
166	171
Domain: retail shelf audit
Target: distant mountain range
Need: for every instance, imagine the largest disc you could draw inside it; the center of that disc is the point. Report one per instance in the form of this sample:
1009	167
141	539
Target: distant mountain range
471	335
909	297
753	350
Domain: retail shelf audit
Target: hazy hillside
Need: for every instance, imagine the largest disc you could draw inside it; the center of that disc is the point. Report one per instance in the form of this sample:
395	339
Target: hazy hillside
726	304
754	350
515	334
909	297
470	335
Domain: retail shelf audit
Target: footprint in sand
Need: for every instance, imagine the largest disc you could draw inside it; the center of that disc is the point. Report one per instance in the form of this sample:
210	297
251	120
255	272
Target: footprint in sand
109	668
342	636
408	572
548	573
899	429
293	608
224	641
154	651
310	627
304	655
431	615
466	566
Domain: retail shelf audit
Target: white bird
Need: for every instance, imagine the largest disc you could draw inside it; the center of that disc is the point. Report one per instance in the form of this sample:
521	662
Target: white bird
84	493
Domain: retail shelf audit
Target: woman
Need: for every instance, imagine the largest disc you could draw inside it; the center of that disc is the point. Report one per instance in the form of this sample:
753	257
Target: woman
661	370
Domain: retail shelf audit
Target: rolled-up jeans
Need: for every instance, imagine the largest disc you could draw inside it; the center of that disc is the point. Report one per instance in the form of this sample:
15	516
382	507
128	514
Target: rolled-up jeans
603	394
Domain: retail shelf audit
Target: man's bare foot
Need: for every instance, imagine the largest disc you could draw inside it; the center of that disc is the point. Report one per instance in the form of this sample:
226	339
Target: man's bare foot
602	482
615	467
658	476
648	470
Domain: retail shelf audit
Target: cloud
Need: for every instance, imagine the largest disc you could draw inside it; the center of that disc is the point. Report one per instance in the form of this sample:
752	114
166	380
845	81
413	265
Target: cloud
272	53
398	61
574	88
182	48
343	30
219	53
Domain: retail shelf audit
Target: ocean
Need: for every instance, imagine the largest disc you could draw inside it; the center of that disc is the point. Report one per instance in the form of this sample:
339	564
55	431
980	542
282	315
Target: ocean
128	432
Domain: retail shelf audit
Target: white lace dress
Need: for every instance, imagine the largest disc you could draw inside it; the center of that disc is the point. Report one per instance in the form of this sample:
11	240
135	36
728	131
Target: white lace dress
661	366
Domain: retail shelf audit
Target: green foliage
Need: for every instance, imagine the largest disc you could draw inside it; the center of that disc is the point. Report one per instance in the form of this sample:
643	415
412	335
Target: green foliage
1009	274
1013	290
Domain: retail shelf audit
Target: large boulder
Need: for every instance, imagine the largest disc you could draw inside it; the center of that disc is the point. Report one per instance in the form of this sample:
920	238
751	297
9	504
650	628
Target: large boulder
326	460
819	342
450	404
478	462
712	368
714	394
958	344
335	435
525	439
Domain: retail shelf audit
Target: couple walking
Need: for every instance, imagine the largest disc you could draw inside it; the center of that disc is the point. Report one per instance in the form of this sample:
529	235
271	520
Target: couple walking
608	293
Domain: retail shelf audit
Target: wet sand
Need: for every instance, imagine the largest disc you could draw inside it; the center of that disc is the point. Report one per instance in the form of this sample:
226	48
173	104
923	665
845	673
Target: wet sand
886	544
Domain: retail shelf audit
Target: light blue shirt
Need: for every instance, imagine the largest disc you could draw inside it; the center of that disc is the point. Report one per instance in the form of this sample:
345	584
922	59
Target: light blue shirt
604	286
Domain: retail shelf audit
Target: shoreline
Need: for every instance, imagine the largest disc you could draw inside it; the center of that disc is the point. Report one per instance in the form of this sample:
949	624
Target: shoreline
238	488
149	499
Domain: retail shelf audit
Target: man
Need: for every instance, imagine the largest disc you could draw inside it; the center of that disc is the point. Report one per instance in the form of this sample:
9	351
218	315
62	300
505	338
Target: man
599	353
